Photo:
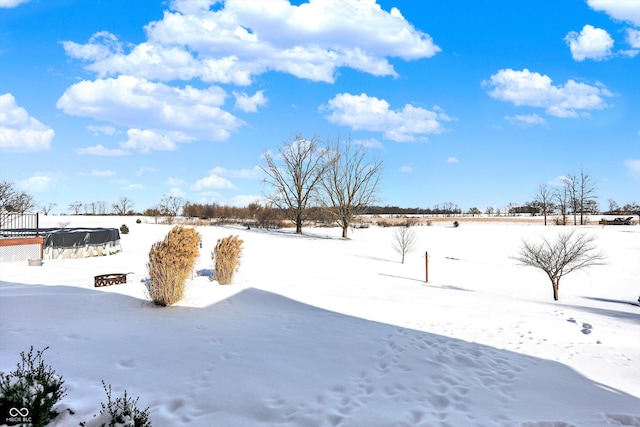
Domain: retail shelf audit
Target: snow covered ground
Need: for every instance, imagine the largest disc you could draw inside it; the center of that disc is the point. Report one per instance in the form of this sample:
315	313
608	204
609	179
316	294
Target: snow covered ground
318	331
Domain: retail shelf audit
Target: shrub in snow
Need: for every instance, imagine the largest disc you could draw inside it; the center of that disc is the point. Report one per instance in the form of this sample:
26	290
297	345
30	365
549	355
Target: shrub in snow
31	391
122	412
170	264
124	229
226	256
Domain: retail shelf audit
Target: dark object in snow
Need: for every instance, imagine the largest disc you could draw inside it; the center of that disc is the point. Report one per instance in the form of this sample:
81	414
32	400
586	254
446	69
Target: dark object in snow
109	279
456	223
618	221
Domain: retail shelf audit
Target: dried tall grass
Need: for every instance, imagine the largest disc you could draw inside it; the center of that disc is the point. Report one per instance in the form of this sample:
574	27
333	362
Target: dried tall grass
170	264
226	256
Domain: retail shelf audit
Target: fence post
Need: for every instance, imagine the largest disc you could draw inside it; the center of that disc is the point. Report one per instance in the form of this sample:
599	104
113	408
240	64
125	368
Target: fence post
426	266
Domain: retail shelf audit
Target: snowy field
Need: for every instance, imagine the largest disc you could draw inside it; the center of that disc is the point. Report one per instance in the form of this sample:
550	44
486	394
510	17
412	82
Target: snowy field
318	331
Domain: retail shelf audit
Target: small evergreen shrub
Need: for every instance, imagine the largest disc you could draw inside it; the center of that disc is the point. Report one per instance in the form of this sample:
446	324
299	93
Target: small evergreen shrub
124	229
170	264
138	221
122	412
226	256
32	391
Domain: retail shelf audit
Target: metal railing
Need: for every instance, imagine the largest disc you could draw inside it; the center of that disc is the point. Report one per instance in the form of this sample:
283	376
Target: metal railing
13	224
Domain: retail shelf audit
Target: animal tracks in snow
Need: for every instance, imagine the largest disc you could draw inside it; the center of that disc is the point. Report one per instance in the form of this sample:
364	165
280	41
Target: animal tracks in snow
586	327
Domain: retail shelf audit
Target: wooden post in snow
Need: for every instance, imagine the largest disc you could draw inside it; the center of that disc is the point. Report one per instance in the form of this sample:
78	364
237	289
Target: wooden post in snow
426	266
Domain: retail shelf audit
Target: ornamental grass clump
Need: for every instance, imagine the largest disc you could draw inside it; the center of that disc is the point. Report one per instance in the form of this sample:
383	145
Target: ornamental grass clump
170	264
226	257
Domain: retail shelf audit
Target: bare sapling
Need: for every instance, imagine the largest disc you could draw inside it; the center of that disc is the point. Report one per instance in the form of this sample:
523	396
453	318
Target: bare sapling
570	251
226	256
404	240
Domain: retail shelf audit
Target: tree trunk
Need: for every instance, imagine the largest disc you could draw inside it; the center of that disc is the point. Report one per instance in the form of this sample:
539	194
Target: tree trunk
555	283
344	232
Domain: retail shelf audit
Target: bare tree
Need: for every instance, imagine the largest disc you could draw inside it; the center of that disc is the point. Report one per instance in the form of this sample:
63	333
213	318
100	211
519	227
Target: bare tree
562	196
101	207
474	211
46	209
24	202
75	207
571	186
544	200
404	240
90	208
171	205
585	194
7	193
569	252
295	173
123	207
13	200
350	183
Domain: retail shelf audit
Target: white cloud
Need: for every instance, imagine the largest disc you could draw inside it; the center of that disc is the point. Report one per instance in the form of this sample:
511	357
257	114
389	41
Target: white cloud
41	182
144	170
8	4
176	182
406	169
524	88
633	167
633	38
452	160
103	173
139	103
526	120
243	200
134	187
623	10
176	192
100	150
212	181
101	130
558	181
240	40
590	43
363	112
369	143
254	173
250	104
145	140
19	131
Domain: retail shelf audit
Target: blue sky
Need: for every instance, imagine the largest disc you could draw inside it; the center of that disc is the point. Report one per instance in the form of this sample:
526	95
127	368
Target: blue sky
470	102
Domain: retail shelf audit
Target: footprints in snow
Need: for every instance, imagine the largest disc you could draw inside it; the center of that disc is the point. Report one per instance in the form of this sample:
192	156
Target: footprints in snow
586	327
